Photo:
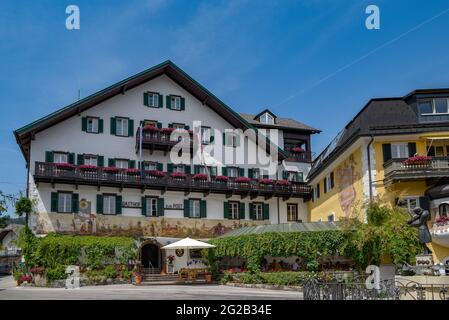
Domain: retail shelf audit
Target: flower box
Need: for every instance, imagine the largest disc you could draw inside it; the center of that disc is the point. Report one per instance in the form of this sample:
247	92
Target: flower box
132	171
297	150
87	167
67	166
167	130
283	182
178	175
265	181
150	128
221	178
242	180
418	160
111	169
200	176
156	173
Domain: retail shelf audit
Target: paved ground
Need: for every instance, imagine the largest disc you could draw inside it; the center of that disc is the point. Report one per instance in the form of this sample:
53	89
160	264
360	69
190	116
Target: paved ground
8	290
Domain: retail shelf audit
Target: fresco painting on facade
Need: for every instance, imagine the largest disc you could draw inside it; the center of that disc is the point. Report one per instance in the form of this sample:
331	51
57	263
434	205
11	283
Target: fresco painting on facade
346	179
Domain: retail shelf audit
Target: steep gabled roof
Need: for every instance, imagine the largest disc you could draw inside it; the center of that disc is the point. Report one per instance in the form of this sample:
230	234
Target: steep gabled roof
25	134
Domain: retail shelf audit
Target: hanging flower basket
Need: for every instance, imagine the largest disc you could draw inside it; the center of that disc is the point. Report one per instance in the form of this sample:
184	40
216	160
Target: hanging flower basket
418	160
178	175
88	167
150	128
132	171
111	169
242	180
283	182
221	178
200	176
297	150
265	181
156	173
170	259
67	166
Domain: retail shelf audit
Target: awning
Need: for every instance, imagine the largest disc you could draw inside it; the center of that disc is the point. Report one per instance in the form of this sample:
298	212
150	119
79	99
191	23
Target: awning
188	243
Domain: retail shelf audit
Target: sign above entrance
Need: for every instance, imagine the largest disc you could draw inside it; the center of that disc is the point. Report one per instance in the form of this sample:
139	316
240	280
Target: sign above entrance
131	204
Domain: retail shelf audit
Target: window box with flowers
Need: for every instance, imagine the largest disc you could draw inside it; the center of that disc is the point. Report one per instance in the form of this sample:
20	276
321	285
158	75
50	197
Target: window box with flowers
242	180
297	150
178	175
87	167
221	179
200	176
283	182
150	128
111	169
156	173
266	181
132	171
65	166
442	221
418	161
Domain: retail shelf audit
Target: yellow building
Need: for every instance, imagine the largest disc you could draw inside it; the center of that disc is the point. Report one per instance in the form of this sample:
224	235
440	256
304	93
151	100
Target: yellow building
394	149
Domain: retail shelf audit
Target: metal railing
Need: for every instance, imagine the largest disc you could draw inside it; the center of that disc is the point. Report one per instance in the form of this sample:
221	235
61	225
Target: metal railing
432	167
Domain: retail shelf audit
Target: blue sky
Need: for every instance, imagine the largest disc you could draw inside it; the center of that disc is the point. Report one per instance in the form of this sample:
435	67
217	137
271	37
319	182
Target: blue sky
311	60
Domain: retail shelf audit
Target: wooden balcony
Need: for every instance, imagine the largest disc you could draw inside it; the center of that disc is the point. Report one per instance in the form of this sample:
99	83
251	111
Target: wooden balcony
51	173
397	170
160	140
305	156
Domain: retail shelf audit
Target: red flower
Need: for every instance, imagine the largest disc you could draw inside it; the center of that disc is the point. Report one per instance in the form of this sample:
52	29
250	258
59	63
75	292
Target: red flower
242	180
179	175
111	169
132	171
156	173
65	165
297	150
221	178
150	127
200	176
87	167
265	181
283	182
37	270
167	130
418	160
25	278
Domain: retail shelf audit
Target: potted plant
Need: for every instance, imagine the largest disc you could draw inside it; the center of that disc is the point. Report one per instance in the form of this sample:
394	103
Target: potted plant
137	276
221	178
208	276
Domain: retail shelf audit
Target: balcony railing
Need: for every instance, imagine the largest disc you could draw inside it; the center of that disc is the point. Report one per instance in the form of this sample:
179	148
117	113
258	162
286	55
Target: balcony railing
401	170
161	139
52	173
305	156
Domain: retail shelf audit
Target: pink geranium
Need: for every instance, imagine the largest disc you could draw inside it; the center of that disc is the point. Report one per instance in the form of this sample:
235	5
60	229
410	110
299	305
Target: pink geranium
221	178
178	175
297	150
156	173
150	127
111	169
88	167
418	160
64	165
200	176
242	180
282	182
265	181
132	171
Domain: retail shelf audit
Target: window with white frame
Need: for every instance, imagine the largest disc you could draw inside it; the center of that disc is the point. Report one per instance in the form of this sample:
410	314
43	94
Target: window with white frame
121	125
328	182
292	176
202	170
194	208
292	212
60	157
151	207
175	102
153	100
434	106
122	164
233	172
266	118
64	202
409	203
399	150
205	135
256	173
234	210
92	125
109	204
149	166
232	139
258	211
90	160
178	126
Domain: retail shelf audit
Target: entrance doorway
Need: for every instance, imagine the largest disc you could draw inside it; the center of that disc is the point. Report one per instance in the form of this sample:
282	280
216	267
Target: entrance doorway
150	256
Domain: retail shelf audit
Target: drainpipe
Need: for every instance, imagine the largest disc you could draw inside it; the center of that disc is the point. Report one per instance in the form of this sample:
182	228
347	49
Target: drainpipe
369	169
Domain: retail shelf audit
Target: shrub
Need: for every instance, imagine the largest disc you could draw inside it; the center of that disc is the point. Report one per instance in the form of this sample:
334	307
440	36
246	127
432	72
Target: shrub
56	273
110	272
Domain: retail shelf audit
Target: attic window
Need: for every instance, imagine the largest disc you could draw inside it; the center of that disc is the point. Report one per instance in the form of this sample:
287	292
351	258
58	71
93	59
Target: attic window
266	118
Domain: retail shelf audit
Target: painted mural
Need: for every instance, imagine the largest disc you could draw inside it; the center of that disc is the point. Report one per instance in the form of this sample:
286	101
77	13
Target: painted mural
347	176
93	224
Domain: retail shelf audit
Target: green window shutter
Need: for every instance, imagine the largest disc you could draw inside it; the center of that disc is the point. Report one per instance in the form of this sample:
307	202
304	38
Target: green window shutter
54	202
318	190
213	171
84	124
224	138
285	175
242	210
187	127
160	207
71	158
99	203
100	125
75	202
186	209
159	125
80	159
100	161
251	211
111	162
183	104
203	209
170	125
161	100
224	171
113	126
250	173
411	149
187	169
212	135
159	166
130	127
118	204
169	167
49	156
143	200
226	210
196	169
145	99
241	172
300	177
266	211
132	164
386	150
168	101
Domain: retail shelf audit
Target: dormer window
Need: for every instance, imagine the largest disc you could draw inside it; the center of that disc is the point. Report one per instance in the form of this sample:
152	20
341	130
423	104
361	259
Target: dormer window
434	106
266	118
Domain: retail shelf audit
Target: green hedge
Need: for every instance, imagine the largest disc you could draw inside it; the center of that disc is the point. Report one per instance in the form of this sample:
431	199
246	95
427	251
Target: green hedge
288	278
